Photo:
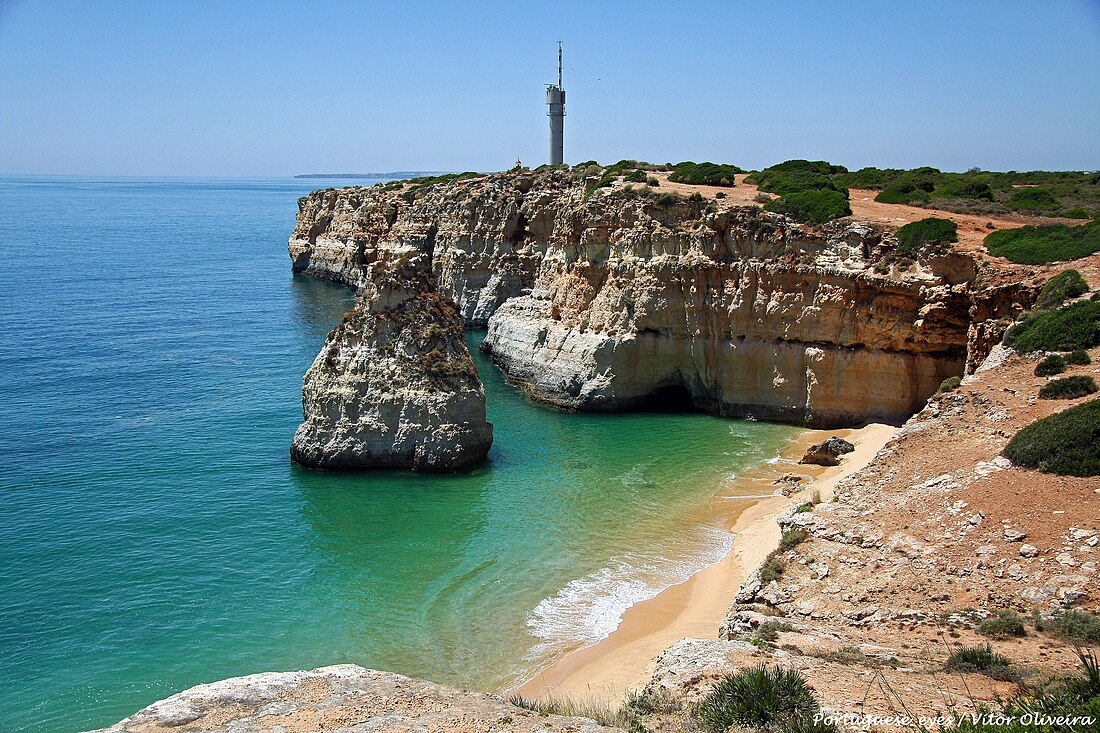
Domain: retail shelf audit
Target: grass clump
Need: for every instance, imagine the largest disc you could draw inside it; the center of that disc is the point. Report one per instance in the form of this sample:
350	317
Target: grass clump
1077	627
1066	443
1048	243
1050	366
1068	388
1067	329
704	174
980	659
771	569
1005	624
1060	288
762	697
1079	357
914	236
949	385
792	538
602	712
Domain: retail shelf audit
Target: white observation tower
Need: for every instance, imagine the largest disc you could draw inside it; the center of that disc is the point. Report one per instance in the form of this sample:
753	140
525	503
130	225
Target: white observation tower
555	100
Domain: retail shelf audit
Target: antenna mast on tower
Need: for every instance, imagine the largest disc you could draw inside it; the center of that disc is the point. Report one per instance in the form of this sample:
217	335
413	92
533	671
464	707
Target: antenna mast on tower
555	100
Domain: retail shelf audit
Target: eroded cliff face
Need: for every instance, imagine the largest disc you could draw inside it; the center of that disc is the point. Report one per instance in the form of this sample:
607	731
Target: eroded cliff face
394	385
601	299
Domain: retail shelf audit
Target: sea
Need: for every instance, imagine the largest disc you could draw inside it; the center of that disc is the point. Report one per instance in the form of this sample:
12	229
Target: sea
155	535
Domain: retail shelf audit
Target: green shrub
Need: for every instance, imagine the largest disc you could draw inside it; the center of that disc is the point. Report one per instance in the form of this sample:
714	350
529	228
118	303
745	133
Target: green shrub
1069	328
758	697
813	207
1068	388
652	181
798	175
1050	366
1002	626
964	189
1061	287
949	384
1032	199
1073	697
771	569
1042	244
1076	214
424	181
793	537
1077	627
1066	443
976	659
905	194
913	236
1078	356
704	174
635	176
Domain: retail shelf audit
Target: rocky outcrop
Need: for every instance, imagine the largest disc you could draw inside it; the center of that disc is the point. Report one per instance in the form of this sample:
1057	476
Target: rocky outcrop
614	298
828	452
394	385
339	698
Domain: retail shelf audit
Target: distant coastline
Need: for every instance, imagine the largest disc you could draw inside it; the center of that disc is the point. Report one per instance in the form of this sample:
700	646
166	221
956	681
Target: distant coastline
396	175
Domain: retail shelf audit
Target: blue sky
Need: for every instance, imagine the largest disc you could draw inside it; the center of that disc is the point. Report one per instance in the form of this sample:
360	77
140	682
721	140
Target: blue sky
190	87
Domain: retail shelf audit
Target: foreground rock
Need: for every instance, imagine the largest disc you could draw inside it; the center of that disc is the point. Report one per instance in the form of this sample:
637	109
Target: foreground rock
827	453
395	385
342	698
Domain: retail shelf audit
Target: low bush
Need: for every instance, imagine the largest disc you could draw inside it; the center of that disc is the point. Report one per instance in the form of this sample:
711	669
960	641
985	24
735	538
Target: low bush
903	195
1061	287
1076	214
771	569
424	181
793	537
1076	697
759	697
705	174
978	659
1032	199
1079	357
812	207
949	384
1002	626
914	236
1069	328
652	181
1066	443
1042	244
1077	627
635	176
1068	388
1050	366
964	189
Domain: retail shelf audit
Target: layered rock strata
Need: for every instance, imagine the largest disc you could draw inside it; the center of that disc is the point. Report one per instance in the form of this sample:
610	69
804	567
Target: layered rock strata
607	299
339	698
394	385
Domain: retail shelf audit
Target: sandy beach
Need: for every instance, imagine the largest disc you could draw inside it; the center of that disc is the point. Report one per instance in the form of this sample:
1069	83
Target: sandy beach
625	660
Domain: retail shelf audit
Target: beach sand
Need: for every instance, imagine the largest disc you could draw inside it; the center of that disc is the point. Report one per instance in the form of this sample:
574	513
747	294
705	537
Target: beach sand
625	660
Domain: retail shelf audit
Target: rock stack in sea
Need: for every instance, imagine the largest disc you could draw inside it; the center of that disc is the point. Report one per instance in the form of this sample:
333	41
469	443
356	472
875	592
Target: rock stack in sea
394	385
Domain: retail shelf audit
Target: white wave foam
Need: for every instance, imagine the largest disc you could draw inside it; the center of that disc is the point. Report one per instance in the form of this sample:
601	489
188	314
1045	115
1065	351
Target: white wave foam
588	609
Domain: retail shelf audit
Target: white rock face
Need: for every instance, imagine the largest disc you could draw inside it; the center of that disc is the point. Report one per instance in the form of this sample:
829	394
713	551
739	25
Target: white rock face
339	699
395	385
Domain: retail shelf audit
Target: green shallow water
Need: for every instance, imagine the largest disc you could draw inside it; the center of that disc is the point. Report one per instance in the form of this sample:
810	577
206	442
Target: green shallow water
154	535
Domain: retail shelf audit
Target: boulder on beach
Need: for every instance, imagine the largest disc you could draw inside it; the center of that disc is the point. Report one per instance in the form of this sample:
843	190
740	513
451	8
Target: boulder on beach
828	453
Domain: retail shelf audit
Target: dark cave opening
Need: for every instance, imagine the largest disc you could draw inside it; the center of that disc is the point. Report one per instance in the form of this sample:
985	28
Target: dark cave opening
673	398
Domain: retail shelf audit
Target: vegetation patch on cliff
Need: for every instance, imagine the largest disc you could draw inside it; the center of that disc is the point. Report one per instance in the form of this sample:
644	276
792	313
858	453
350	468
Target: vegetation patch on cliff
1038	245
1066	443
806	191
704	174
1060	288
1069	328
914	236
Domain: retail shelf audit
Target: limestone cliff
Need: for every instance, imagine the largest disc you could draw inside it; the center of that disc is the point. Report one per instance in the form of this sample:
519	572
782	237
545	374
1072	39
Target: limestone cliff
339	698
394	385
601	299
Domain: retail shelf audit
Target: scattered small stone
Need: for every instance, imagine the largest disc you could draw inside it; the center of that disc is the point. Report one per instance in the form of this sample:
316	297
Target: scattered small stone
1029	551
1066	559
1014	535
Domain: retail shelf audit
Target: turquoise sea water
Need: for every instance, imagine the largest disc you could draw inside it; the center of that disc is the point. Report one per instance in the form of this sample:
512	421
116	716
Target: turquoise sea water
154	534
